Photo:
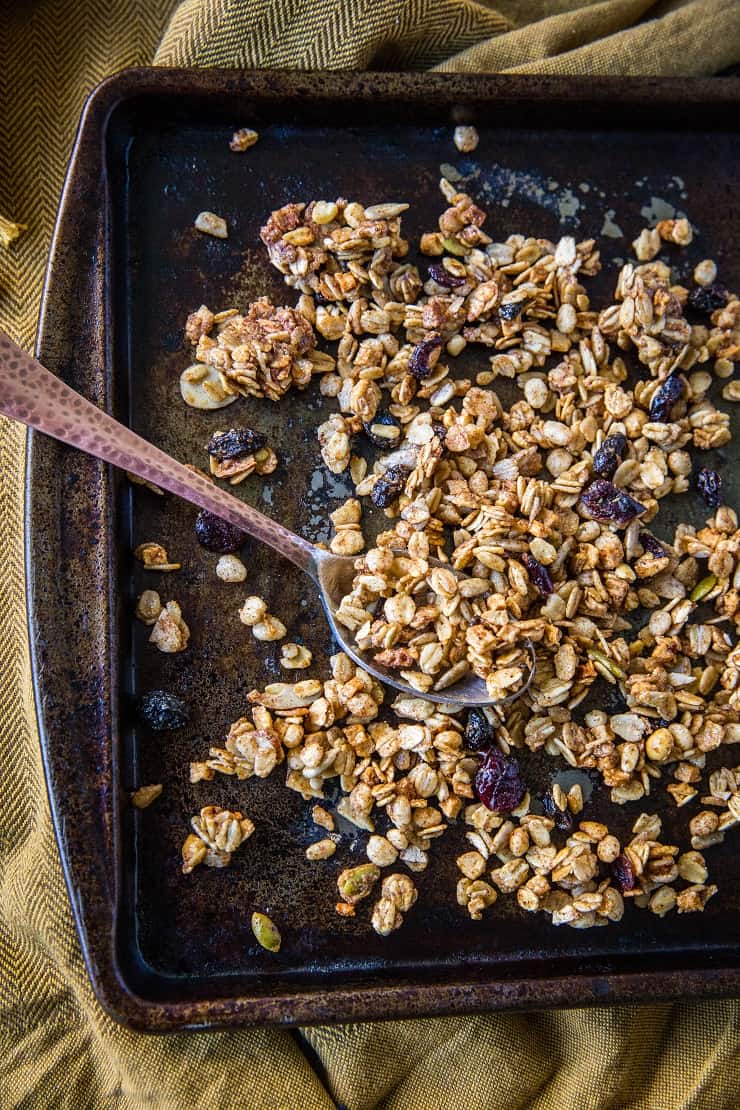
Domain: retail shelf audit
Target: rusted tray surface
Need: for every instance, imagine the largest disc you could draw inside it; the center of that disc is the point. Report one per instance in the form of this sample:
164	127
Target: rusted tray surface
165	950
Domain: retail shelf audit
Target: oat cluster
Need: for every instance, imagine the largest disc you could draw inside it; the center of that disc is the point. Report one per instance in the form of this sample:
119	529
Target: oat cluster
511	528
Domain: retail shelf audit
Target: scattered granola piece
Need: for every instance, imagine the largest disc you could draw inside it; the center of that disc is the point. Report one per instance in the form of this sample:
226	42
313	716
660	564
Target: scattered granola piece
10	231
137	481
145	795
148	606
230	568
243	139
466	138
154	557
211	224
170	633
321	849
295	657
266	932
322	818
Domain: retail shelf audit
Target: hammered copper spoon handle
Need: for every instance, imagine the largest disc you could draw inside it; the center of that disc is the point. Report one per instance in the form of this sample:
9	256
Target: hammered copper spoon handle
32	394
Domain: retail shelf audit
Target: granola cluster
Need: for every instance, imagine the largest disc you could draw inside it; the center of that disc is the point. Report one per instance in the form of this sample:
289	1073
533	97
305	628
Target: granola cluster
262	353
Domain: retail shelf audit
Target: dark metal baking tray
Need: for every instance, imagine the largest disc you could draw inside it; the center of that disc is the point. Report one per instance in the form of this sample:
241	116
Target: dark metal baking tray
164	950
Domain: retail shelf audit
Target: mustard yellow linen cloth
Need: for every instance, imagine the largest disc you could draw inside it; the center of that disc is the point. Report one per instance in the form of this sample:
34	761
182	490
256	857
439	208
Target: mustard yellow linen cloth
57	1048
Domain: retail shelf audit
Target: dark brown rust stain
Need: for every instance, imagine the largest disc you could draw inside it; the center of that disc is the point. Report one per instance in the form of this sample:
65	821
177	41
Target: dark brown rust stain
182	951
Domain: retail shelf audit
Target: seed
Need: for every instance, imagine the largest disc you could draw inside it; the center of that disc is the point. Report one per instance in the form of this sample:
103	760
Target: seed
703	589
266	933
355	883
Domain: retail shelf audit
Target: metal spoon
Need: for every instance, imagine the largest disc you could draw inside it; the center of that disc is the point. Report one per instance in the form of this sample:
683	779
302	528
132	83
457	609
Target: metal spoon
36	397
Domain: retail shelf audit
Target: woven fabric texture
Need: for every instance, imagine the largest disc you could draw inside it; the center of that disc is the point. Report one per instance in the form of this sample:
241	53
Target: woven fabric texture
57	1048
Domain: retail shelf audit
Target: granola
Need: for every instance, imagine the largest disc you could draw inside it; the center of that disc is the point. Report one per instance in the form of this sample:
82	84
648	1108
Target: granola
506	526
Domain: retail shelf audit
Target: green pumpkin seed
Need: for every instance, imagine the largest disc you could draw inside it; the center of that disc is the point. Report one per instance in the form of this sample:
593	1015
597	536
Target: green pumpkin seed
611	666
453	247
703	588
266	933
355	883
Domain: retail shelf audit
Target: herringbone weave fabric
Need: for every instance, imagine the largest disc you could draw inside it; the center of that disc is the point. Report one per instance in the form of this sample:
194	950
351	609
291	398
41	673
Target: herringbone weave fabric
57	1049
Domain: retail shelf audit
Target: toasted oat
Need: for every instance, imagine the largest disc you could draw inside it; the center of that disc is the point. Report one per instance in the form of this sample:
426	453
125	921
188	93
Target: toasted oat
211	224
145	795
295	657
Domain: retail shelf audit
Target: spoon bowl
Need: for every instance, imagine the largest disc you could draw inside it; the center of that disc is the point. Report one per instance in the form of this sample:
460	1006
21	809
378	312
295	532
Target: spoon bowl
34	396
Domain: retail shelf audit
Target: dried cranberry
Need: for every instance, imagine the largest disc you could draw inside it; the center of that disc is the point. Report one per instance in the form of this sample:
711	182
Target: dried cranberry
708	298
561	817
162	711
623	873
539	576
709	485
424	357
511	310
652	546
478	731
665	398
609	456
499	782
218	535
383	430
389	486
602	501
442	276
235	443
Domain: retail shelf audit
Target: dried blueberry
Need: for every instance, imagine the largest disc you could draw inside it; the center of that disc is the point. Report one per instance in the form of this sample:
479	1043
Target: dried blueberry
602	501
623	873
424	357
162	711
235	443
499	783
652	546
218	535
665	398
609	456
478	731
538	575
708	298
442	276
561	817
389	486
383	430
511	310
709	485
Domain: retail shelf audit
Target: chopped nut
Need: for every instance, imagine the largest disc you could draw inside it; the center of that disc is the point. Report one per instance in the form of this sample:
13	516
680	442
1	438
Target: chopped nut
210	224
243	139
466	138
321	849
170	633
230	568
322	818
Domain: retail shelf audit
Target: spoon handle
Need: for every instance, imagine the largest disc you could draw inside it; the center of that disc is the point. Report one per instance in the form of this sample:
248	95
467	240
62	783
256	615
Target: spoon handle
36	397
